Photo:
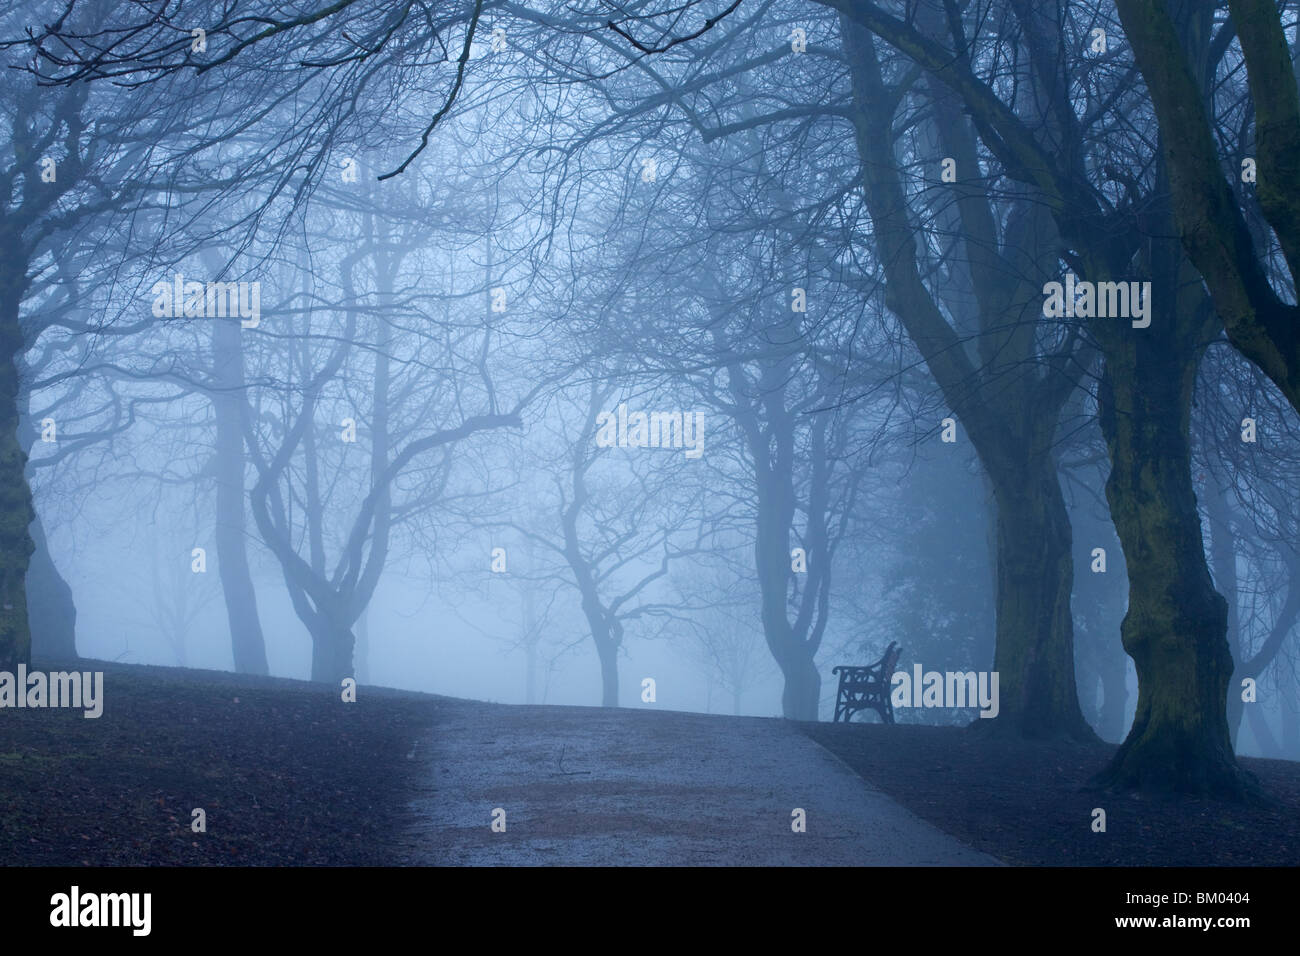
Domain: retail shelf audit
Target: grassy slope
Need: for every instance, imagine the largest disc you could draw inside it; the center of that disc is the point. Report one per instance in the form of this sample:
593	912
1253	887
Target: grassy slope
287	772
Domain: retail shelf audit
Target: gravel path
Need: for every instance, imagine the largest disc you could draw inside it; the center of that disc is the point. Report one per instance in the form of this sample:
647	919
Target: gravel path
582	786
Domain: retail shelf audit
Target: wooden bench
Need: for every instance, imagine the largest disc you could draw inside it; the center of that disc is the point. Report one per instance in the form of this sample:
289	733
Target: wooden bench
867	688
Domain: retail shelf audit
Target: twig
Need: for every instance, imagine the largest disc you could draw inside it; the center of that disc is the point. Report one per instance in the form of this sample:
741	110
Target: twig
568	773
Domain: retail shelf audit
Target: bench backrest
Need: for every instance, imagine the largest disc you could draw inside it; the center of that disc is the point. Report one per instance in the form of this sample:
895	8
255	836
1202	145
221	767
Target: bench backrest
881	672
890	661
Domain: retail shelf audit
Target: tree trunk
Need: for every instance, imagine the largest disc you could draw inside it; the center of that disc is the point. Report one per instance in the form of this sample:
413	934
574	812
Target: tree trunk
1168	42
361	650
1223	558
801	695
16	512
1114	697
1176	626
1009	413
51	611
331	652
530	672
530	635
1035	632
801	698
1289	747
607	651
247	644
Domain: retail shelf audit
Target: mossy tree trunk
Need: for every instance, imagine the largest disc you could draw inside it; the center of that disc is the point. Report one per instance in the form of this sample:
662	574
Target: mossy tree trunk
1176	626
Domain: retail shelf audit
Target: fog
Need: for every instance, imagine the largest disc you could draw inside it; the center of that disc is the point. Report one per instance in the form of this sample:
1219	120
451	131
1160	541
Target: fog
522	355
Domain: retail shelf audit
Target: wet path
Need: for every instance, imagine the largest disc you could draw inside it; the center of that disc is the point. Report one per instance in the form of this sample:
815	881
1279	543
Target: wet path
633	787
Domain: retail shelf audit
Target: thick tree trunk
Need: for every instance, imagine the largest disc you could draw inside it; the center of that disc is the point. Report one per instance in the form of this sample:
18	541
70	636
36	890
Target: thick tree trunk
247	644
1176	626
51	612
1035	632
331	652
801	698
607	651
16	512
52	615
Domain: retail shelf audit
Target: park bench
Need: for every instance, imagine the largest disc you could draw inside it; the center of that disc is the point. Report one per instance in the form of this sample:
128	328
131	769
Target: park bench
867	688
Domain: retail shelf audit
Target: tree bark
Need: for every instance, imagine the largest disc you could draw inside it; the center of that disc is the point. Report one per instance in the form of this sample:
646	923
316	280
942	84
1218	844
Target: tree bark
331	651
361	649
607	652
1114	697
16	512
801	698
52	614
1176	626
247	644
1035	631
1223	558
793	653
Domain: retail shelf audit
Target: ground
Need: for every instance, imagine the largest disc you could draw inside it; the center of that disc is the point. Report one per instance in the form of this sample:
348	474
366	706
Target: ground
583	785
289	774
1027	803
